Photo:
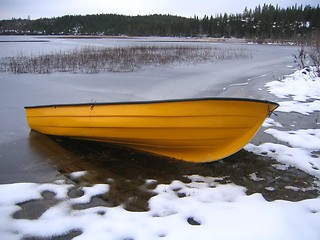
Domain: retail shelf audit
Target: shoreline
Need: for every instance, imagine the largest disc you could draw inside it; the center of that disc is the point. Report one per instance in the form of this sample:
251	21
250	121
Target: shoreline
177	39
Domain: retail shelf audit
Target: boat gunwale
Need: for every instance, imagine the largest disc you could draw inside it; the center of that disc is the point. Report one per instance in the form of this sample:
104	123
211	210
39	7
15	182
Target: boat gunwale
92	104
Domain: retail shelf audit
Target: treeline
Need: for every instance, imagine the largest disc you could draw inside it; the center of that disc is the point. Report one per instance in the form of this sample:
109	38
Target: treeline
263	22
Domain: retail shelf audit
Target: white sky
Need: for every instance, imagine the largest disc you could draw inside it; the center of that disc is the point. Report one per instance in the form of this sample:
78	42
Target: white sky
188	8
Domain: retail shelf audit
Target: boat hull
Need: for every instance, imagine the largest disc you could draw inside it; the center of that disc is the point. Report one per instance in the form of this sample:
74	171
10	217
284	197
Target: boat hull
195	130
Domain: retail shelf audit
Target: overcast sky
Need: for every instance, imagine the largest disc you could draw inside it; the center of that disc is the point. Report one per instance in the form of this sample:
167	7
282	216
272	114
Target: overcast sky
187	8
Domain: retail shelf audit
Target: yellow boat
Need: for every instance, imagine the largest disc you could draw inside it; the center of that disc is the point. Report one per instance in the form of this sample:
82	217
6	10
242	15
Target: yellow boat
194	130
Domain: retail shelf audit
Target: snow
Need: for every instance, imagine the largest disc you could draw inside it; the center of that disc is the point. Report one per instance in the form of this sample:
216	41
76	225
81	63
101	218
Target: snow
254	177
202	208
269	122
33	191
297	157
300	107
303	138
90	192
301	85
303	89
79	174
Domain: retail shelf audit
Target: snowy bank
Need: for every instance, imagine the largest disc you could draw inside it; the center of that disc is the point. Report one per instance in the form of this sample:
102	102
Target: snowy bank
202	209
302	88
301	147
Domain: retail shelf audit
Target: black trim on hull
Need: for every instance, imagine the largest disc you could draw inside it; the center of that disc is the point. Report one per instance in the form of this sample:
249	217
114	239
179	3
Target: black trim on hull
155	101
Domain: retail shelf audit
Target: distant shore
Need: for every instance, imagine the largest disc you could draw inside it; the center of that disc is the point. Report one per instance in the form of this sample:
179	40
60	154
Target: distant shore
163	39
44	38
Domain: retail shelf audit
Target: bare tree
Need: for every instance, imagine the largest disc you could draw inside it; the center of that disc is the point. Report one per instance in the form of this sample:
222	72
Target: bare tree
301	58
315	50
309	55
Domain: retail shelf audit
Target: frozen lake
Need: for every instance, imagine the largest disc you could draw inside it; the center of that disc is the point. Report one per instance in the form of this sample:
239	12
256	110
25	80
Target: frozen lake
179	81
230	78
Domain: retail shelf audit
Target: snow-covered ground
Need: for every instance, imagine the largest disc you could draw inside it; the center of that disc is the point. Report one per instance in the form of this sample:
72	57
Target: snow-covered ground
302	148
203	208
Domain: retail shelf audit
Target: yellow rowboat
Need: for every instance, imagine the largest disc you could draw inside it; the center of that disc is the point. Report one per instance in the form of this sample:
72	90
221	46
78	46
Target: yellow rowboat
194	130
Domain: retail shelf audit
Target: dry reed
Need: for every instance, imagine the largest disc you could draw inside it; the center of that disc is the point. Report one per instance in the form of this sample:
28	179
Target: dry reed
120	59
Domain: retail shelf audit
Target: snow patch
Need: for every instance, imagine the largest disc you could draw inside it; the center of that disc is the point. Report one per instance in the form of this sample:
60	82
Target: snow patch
269	122
299	107
254	177
303	87
302	138
202	209
296	157
79	174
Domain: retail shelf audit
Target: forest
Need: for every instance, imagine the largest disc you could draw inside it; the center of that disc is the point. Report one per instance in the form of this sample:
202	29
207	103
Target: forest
263	22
